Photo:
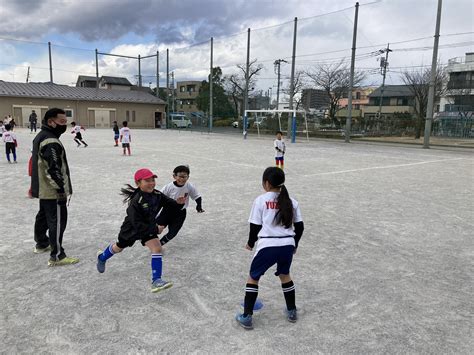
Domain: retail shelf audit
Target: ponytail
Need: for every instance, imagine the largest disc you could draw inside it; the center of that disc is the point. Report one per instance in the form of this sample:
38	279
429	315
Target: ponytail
284	215
276	177
128	191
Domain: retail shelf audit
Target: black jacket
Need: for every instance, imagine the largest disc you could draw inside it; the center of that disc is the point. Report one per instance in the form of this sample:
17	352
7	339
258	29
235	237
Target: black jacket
50	170
142	212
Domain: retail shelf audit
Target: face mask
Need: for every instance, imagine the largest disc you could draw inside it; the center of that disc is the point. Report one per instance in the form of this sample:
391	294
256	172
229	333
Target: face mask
59	129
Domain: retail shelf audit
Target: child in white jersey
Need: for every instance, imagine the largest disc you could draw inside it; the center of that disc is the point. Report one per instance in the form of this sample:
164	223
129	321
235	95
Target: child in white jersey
180	187
277	226
280	148
10	142
76	129
125	137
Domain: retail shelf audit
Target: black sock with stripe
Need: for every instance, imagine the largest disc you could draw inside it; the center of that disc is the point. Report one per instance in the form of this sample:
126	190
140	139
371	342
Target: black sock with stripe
251	293
289	293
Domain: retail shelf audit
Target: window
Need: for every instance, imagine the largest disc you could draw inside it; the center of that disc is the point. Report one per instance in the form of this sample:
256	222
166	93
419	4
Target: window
182	89
357	106
127	116
133	116
69	113
358	95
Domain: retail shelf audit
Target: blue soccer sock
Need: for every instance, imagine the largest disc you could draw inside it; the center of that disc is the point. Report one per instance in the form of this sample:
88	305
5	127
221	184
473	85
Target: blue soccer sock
156	266
107	253
8	157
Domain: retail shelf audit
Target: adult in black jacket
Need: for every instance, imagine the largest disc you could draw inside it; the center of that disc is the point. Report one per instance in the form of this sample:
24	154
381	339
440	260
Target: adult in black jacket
33	121
51	183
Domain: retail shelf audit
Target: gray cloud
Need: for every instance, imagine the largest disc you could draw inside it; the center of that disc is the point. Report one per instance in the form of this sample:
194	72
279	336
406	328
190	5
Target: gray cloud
169	21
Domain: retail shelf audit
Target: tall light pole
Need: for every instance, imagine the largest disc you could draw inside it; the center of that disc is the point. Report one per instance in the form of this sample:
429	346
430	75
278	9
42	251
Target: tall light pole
431	90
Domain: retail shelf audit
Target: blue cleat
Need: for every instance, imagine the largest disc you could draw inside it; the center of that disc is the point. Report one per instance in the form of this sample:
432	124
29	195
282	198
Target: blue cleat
100	263
244	321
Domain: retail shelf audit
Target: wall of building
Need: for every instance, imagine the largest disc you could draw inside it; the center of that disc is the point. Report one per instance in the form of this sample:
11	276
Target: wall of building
144	116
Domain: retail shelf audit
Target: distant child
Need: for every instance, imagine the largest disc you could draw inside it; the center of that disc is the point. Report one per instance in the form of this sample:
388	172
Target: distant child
10	142
276	225
179	188
125	137
116	130
280	148
76	129
144	203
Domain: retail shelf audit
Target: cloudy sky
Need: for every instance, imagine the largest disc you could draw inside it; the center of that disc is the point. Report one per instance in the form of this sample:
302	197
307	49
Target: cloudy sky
143	27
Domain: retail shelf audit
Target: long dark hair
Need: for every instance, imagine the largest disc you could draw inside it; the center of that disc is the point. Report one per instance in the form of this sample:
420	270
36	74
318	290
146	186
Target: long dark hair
128	191
276	177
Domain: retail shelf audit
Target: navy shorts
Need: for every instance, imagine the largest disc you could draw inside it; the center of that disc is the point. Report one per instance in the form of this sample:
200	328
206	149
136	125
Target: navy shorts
125	145
267	257
279	158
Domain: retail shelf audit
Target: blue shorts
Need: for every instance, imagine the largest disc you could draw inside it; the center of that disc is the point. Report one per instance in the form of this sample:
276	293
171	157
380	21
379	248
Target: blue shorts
116	136
279	158
267	257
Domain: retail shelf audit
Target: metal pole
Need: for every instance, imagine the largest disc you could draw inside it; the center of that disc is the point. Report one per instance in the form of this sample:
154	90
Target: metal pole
157	74
246	92
167	86
211	112
139	71
172	92
96	68
278	62
382	88
431	90
292	120
50	64
351	79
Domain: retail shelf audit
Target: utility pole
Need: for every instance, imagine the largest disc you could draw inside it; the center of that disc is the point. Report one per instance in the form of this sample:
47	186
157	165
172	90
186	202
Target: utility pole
28	75
96	68
292	122
167	87
211	101
157	74
277	64
431	90
50	64
383	70
172	91
246	93
139	71
347	137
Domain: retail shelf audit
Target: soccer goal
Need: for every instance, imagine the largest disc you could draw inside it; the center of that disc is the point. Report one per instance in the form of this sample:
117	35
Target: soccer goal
270	121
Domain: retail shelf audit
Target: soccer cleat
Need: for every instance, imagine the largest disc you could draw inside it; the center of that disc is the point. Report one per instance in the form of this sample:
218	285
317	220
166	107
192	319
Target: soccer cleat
65	261
42	250
292	315
244	321
100	263
159	285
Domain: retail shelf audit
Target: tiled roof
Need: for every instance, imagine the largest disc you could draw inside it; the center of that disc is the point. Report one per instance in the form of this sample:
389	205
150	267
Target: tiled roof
393	91
114	80
64	92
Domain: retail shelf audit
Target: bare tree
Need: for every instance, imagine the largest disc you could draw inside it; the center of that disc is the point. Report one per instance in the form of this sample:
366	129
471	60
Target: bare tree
334	79
419	82
234	84
300	84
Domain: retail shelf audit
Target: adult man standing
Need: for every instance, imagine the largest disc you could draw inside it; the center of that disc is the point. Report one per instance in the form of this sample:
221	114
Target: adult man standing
51	183
33	121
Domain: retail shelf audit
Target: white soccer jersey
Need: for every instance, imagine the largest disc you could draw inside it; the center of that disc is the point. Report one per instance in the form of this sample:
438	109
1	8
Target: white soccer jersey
125	133
173	191
280	144
9	137
76	129
264	210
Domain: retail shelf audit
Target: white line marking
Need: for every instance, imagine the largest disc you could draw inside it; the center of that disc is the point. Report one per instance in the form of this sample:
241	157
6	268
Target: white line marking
380	167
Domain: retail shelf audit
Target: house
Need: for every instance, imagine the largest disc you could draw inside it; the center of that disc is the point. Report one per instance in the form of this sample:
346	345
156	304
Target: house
91	107
186	95
360	99
455	118
114	83
84	81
